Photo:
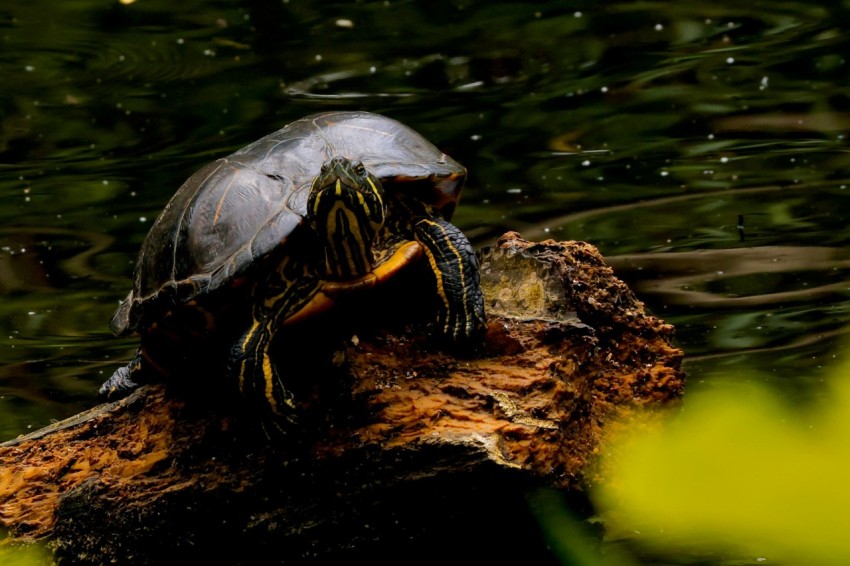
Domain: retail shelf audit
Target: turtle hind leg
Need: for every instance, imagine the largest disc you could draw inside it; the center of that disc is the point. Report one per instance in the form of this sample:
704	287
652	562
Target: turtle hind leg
124	380
460	305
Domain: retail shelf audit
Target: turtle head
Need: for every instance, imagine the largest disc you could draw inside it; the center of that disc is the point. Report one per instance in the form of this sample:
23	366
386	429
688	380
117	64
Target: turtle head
346	208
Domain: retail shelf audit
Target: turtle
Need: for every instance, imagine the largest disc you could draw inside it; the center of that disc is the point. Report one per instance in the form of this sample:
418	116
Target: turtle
276	233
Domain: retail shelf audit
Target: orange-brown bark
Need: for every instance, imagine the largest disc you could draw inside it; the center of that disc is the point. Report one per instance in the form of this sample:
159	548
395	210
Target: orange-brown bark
568	349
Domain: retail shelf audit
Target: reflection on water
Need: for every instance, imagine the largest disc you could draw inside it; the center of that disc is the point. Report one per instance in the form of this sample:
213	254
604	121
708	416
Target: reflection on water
51	321
737	278
645	131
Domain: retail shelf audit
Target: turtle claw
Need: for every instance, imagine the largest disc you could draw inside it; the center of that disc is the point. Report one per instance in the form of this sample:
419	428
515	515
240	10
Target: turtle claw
119	385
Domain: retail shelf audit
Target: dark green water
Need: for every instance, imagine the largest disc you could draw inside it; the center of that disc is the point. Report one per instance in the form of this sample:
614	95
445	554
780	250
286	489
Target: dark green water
645	128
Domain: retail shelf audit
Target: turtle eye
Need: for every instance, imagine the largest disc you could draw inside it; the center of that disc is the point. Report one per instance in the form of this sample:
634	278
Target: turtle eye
359	168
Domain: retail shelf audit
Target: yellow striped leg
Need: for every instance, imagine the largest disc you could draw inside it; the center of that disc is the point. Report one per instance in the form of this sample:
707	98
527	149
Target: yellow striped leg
259	379
250	362
460	312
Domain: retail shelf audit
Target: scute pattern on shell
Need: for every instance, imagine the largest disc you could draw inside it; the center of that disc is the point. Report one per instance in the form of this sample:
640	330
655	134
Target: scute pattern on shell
238	209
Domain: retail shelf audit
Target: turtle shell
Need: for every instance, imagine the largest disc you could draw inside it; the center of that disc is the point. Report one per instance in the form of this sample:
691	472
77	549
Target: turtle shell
238	209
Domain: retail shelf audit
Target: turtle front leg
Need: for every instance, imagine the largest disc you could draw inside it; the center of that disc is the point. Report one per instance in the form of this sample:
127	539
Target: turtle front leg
290	289
460	311
257	374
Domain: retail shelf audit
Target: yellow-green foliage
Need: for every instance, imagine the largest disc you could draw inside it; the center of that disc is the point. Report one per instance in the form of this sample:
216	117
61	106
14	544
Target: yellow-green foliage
739	472
23	554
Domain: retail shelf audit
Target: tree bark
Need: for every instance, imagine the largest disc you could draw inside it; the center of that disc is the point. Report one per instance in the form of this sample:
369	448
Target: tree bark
403	447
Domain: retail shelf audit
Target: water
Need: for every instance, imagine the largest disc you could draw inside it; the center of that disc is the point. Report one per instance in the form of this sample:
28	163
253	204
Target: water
644	128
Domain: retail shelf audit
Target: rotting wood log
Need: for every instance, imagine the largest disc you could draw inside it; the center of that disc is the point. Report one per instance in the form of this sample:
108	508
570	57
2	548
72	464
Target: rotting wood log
405	447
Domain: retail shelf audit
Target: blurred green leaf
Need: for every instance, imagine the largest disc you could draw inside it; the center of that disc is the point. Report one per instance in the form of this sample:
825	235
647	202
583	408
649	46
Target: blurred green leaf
738	473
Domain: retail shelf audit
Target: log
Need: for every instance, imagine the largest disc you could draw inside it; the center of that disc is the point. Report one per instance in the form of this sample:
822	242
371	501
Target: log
405	448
